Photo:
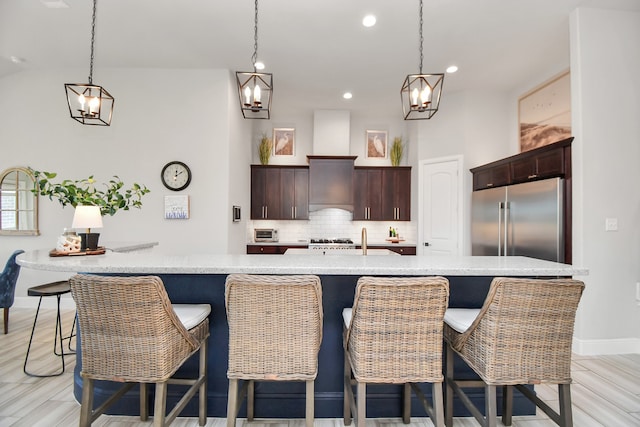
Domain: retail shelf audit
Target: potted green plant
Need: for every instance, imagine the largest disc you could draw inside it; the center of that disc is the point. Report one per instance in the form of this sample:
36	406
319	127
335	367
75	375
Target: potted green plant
110	200
397	150
264	149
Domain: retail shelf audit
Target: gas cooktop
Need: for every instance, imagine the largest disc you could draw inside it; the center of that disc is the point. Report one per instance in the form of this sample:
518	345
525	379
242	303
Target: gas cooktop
344	241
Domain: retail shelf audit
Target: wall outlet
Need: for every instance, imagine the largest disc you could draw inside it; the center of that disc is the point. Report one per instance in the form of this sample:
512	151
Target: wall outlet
611	224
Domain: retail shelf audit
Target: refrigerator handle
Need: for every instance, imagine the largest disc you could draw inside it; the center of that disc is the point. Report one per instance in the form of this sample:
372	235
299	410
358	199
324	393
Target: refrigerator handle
506	228
500	233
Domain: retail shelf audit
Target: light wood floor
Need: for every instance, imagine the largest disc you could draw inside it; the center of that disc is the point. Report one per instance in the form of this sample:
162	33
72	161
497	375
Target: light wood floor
606	389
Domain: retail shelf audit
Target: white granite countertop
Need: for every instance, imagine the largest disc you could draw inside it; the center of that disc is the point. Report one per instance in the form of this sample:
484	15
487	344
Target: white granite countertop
339	252
151	263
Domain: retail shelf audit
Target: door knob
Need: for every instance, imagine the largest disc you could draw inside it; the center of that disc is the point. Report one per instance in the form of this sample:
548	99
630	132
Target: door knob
427	244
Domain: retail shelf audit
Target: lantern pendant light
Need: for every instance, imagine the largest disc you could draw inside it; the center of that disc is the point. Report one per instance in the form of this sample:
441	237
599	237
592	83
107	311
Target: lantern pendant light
90	104
420	93
254	88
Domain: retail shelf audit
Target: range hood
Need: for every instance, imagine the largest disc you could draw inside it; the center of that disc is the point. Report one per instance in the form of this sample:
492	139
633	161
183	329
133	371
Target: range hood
331	166
331	182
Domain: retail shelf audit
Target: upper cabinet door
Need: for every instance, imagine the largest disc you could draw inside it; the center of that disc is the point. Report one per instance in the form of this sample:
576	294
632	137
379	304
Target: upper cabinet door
367	194
265	192
295	193
396	194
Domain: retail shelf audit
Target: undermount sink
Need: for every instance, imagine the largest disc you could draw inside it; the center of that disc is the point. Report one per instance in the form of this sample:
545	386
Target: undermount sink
329	252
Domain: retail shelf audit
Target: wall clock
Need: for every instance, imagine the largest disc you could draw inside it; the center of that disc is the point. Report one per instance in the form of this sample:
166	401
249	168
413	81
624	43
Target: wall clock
176	176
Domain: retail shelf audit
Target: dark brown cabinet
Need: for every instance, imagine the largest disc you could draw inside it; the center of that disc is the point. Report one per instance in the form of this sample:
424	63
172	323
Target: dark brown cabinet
367	194
549	161
546	164
492	177
396	194
382	193
402	250
279	192
271	249
265	192
295	193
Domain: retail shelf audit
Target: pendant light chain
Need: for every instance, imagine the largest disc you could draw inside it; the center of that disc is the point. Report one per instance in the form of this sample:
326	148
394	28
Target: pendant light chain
254	58
421	38
93	37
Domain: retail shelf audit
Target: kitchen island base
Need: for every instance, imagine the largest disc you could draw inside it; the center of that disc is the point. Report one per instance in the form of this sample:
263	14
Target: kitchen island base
287	400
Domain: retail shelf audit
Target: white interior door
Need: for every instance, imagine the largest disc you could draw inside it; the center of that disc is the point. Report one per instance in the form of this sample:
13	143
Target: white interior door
440	204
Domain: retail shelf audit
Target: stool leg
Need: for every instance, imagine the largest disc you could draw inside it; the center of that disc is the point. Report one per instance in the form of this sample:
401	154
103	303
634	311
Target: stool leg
6	320
72	334
59	333
26	358
58	336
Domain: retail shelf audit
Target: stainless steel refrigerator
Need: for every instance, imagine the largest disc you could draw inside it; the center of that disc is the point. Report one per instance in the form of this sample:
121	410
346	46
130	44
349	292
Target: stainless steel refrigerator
523	219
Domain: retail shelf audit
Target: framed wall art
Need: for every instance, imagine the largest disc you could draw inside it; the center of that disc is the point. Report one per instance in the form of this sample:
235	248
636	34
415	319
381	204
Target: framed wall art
283	141
176	207
376	146
544	113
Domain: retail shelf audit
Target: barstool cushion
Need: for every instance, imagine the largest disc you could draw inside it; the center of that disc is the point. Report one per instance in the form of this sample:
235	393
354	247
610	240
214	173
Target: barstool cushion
346	316
191	315
460	319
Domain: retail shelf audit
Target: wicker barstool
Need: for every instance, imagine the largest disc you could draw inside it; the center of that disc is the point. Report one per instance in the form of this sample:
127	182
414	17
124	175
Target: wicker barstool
275	331
131	333
521	335
393	335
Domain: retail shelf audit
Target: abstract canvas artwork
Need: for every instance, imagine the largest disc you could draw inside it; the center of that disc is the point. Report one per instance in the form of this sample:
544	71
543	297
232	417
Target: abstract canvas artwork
545	113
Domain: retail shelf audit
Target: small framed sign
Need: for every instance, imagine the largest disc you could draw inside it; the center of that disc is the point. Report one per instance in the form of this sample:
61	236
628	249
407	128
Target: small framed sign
176	207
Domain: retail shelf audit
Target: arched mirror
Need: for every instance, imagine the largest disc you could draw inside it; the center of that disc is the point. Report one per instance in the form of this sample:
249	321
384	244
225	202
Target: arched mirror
18	204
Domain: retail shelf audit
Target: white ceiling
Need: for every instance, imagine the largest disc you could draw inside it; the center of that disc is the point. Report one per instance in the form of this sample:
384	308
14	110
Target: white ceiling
316	49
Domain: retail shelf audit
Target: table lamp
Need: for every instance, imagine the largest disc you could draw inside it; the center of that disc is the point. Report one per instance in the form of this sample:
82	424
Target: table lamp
88	217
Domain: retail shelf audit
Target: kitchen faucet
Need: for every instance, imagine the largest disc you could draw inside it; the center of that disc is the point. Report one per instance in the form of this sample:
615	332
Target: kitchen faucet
364	240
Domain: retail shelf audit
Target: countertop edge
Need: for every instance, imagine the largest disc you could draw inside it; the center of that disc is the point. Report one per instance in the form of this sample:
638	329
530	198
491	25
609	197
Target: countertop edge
150	263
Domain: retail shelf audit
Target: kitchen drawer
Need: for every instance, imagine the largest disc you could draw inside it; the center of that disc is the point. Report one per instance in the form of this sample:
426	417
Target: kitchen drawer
258	249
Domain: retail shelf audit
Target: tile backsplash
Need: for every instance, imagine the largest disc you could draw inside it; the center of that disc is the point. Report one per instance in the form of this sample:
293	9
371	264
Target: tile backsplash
335	223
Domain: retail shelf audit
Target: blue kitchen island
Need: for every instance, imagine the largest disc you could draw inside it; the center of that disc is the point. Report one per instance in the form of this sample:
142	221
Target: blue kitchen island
200	278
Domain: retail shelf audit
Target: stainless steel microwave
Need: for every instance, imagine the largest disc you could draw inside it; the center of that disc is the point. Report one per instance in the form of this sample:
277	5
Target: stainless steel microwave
265	234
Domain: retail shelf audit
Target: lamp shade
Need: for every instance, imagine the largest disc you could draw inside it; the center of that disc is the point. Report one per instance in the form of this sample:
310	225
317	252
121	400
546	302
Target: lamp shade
87	217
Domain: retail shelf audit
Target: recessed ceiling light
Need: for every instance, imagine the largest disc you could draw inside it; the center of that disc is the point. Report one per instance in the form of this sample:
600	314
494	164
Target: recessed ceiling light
17	59
259	65
369	21
54	4
452	69
347	95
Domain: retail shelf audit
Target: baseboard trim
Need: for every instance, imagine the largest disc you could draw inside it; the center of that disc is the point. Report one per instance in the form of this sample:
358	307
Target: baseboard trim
606	346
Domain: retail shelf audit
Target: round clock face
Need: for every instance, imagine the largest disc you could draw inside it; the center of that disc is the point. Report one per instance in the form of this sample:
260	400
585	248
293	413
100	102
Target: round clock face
176	176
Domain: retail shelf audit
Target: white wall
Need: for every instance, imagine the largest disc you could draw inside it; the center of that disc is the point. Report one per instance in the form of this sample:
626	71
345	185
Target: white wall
605	64
159	116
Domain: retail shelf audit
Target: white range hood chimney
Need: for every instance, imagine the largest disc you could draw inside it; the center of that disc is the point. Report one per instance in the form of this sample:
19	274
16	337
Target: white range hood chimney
331	166
331	132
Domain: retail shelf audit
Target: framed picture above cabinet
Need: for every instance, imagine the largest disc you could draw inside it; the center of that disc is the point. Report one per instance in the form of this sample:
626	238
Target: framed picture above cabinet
283	141
544	113
376	144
